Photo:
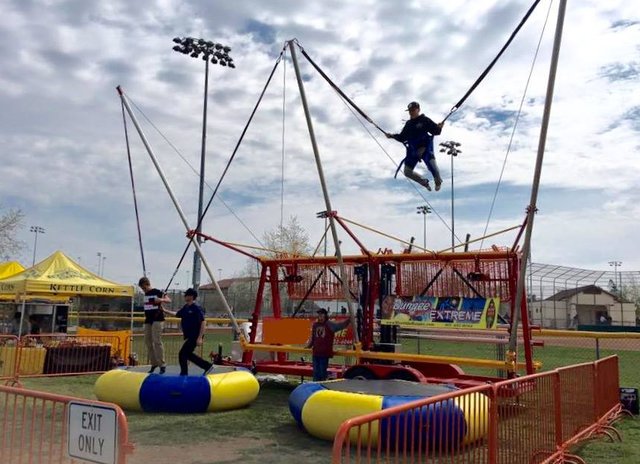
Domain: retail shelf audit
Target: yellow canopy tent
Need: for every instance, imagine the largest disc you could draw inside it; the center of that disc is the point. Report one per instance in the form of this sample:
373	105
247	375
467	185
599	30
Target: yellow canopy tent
59	275
10	268
56	278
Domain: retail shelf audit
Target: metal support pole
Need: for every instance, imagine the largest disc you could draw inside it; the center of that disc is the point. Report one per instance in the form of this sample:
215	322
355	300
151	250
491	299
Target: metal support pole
513	340
325	192
196	257
35	246
453	217
24	308
424	233
178	209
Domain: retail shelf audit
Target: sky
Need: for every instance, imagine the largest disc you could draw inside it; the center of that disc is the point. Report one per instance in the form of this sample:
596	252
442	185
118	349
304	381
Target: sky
64	159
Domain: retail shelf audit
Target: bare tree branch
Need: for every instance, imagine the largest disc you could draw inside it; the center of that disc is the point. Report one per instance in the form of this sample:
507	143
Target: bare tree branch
10	223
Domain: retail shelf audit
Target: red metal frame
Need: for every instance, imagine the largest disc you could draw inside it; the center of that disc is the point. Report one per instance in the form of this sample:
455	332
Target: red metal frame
496	273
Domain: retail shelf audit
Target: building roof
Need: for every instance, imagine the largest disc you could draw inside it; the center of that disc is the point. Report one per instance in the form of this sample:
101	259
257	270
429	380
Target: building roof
227	283
587	290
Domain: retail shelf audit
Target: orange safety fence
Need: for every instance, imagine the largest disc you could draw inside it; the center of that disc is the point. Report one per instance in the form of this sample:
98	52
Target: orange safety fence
531	419
8	356
607	394
525	427
62	354
35	429
172	342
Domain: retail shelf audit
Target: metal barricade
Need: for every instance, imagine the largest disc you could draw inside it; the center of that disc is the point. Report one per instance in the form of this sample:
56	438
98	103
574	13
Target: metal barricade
453	427
577	398
172	342
62	354
607	387
527	429
34	427
533	419
9	353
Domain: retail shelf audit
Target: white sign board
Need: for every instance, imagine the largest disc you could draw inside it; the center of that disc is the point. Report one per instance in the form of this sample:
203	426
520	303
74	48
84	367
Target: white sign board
93	433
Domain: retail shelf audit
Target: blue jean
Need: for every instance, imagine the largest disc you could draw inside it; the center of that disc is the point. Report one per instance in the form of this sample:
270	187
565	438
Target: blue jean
320	366
432	166
429	161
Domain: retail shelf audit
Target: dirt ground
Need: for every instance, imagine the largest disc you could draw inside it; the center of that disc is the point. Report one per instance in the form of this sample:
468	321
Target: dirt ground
227	451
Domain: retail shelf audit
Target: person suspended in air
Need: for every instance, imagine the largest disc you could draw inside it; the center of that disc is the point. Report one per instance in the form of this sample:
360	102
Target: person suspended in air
417	136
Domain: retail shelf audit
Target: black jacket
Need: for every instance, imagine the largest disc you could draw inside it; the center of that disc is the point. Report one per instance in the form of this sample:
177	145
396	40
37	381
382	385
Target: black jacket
416	129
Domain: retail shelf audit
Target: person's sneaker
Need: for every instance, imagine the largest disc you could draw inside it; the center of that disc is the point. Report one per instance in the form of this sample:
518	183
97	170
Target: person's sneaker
163	369
438	185
427	186
208	371
152	370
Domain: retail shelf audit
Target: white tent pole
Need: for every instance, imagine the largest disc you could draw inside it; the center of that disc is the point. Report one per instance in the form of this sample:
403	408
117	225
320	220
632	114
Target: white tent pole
178	209
531	211
24	305
133	295
327	201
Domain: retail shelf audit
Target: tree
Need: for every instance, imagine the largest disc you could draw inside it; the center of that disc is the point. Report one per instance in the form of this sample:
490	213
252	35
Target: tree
290	239
10	223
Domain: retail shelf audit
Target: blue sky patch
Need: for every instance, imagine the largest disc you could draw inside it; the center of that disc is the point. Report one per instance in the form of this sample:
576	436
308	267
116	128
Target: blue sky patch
261	32
620	71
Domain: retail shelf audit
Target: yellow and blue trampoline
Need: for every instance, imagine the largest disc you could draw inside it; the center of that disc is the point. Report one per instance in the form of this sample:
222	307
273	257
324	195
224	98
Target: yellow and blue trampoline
134	389
320	408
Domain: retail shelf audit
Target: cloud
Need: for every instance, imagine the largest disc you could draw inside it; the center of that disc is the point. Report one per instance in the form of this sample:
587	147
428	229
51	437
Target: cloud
621	71
65	164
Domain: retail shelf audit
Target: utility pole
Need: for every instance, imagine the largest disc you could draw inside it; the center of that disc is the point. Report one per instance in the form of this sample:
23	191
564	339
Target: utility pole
451	149
616	265
424	210
217	54
36	230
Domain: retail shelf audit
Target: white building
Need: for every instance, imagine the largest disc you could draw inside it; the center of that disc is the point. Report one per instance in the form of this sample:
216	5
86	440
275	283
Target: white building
588	305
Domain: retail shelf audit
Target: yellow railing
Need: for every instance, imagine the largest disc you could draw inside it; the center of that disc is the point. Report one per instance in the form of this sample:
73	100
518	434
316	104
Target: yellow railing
359	353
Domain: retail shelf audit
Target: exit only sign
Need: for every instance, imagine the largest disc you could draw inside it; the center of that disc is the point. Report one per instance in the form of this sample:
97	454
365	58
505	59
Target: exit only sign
93	433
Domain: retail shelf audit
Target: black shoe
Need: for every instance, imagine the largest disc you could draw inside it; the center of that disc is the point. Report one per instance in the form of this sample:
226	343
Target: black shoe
208	371
153	368
163	369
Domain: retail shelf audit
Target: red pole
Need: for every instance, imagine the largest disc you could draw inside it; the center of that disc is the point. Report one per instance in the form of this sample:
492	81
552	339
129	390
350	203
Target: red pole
363	249
275	299
247	356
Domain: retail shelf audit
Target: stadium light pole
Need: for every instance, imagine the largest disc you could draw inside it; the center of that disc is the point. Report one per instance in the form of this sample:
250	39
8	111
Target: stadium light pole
36	230
424	210
451	149
216	54
616	265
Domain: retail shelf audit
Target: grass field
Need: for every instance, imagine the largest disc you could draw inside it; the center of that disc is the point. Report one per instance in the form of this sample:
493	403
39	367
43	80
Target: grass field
266	433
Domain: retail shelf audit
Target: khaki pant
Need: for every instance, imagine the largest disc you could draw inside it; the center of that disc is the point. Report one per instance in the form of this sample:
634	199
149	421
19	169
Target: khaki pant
153	340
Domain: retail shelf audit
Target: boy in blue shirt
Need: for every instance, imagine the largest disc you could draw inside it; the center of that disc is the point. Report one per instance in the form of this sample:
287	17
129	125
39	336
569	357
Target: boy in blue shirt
193	327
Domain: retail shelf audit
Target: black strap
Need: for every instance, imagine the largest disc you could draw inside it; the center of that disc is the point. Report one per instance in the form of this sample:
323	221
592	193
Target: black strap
306	295
233	155
133	189
486	71
337	89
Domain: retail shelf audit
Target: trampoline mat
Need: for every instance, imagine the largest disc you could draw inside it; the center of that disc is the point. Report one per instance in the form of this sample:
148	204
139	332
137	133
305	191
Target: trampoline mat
194	371
388	387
